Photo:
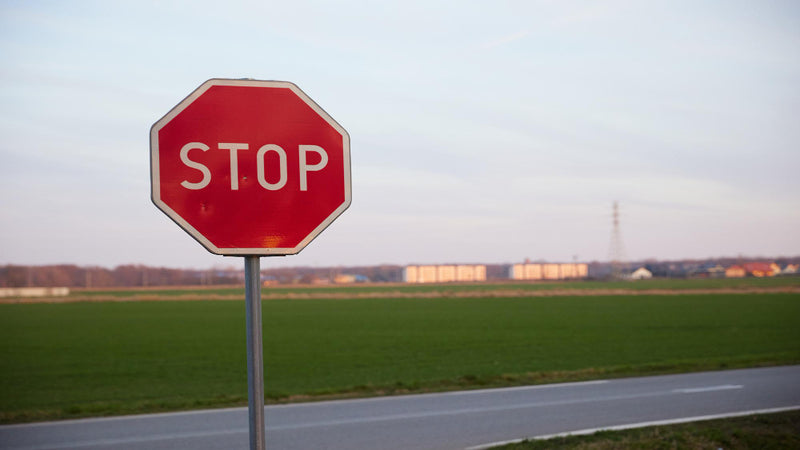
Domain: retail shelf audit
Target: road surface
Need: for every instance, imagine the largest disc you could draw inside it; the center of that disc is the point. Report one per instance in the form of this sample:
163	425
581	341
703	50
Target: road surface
456	420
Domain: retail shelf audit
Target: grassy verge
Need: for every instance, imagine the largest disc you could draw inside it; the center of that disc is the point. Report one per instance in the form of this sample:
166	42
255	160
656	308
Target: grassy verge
765	431
88	359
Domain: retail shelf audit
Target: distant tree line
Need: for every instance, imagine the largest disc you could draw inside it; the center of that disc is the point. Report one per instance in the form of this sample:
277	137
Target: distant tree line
121	276
131	275
68	275
74	276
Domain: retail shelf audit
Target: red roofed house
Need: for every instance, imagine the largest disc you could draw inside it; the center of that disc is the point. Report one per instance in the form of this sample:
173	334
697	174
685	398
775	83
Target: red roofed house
759	269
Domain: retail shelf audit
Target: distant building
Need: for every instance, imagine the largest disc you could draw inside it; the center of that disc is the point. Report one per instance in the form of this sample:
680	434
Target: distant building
641	274
34	292
760	269
471	273
344	279
349	279
790	269
525	272
268	281
548	271
735	272
420	274
716	272
551	271
444	273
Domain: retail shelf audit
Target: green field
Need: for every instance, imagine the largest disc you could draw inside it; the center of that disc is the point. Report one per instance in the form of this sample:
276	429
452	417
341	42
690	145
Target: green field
777	431
98	358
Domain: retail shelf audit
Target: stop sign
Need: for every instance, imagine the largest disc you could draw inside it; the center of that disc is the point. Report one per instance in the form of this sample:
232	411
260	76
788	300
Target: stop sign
250	167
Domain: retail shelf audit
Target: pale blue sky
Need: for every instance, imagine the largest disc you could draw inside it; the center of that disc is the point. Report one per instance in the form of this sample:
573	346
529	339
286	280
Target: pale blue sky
481	131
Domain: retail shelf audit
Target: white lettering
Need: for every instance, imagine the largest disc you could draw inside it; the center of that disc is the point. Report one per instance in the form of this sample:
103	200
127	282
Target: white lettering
233	148
261	163
305	168
195	165
262	179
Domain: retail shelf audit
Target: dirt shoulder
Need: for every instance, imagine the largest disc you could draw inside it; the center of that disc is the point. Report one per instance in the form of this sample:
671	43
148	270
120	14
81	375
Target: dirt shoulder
399	294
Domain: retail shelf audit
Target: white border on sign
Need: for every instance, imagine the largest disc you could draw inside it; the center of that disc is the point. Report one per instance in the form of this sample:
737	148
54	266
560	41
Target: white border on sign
155	185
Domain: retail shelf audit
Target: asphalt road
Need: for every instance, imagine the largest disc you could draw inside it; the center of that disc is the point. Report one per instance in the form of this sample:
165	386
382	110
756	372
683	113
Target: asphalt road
456	420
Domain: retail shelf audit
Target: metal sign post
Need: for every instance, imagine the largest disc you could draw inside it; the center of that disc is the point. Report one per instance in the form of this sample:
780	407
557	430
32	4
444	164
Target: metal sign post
255	355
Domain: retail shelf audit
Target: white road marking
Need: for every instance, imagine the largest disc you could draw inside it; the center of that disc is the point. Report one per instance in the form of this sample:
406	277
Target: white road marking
637	425
724	387
134	440
146	416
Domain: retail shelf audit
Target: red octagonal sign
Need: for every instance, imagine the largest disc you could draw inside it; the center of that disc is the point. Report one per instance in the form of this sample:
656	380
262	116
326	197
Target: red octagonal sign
250	167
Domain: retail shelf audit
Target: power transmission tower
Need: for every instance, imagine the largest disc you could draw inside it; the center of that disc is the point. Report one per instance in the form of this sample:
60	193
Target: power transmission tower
617	250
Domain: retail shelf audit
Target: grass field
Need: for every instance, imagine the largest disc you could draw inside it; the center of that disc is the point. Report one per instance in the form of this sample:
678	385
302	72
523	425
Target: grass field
98	358
766	431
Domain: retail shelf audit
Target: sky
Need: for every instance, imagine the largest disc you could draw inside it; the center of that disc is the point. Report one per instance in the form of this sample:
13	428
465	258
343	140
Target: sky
481	132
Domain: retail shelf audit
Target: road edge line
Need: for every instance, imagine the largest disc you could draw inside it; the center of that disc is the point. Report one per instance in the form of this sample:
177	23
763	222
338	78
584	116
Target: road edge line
638	425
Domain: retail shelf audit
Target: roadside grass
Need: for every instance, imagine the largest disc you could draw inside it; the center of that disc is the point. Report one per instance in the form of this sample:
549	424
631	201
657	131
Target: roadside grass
107	358
776	431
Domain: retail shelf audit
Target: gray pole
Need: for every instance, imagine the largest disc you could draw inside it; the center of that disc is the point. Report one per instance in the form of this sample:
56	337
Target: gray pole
255	357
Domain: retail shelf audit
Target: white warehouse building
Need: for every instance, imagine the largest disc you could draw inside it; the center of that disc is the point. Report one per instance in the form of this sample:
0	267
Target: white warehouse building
548	271
444	273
